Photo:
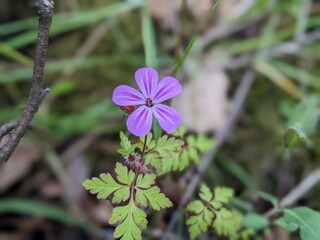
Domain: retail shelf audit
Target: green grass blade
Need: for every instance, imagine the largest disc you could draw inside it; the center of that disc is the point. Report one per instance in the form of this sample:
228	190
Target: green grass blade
148	37
34	208
66	22
184	56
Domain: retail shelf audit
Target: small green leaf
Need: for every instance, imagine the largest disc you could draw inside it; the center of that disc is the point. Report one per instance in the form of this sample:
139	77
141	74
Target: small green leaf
145	181
180	132
222	195
304	113
193	155
126	146
302	218
205	193
123	174
204	143
247	234
195	207
294	136
146	193
255	221
156	199
132	220
106	185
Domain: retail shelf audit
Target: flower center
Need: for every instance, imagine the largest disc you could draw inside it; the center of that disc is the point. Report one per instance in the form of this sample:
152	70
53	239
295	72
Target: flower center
149	102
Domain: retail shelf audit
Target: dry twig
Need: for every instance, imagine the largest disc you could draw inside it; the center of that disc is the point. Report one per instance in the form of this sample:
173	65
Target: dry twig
37	92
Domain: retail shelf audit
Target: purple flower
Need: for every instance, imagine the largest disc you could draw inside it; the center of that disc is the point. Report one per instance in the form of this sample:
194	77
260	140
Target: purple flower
148	100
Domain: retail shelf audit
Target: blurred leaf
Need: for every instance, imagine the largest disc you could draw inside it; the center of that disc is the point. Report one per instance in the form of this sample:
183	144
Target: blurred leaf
75	20
294	136
268	41
156	129
148	36
255	221
63	87
304	219
296	73
276	77
234	168
268	197
18	26
304	115
34	208
91	118
25	74
8	51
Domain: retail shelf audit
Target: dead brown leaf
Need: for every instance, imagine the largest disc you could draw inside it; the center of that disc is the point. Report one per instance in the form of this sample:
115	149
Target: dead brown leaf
204	102
165	11
232	9
19	164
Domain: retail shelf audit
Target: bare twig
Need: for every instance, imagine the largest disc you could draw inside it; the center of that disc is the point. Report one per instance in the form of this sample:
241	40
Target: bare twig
222	134
37	92
302	188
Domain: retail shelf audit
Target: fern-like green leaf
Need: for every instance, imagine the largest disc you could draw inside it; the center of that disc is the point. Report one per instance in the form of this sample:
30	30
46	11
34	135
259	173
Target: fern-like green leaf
153	159
126	146
227	223
222	195
169	150
200	222
132	221
203	143
205	193
106	185
145	180
195	207
246	234
180	132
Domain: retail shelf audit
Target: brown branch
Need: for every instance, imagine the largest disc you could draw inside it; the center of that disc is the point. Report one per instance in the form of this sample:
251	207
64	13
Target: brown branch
7	128
37	92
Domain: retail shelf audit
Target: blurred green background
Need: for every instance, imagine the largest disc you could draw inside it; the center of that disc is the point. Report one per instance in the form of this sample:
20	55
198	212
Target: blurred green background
96	45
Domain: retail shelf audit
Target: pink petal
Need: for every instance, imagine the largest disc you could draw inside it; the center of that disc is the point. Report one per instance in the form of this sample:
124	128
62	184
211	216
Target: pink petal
124	95
167	88
140	121
169	119
147	79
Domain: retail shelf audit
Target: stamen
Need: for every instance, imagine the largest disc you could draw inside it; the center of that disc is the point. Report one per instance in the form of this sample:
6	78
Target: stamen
149	102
